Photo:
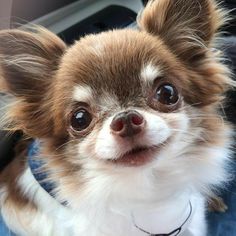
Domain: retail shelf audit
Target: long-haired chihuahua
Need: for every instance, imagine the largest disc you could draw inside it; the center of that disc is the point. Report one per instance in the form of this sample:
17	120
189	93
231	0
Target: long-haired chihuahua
126	137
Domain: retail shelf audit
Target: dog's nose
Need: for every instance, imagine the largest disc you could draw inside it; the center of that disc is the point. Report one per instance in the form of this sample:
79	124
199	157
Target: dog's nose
127	123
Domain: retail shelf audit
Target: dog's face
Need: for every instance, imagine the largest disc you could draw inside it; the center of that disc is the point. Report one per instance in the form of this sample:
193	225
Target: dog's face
123	100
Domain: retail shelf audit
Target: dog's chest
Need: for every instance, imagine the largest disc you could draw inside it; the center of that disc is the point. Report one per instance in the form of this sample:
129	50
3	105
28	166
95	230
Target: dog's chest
99	217
169	219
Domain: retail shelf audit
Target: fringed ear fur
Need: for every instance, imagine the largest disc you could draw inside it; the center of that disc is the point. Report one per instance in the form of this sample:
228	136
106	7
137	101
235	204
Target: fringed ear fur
187	27
28	62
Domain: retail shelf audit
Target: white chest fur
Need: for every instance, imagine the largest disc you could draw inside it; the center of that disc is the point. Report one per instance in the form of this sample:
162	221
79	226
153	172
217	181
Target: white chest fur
171	219
174	216
109	220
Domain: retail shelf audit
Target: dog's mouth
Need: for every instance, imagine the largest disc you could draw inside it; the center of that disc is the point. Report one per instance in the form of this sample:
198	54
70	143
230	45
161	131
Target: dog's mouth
138	156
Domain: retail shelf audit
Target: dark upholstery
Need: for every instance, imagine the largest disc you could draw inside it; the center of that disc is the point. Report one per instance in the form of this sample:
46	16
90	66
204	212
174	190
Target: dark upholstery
224	224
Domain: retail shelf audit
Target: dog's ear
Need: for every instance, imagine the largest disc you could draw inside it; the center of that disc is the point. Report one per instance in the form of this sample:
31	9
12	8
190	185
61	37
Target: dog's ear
186	26
28	63
28	59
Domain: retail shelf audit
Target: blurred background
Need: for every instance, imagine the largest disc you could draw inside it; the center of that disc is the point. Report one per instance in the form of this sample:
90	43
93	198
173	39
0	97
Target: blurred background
70	18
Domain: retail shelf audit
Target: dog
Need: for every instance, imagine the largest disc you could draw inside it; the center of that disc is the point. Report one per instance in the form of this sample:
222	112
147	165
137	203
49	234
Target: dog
122	130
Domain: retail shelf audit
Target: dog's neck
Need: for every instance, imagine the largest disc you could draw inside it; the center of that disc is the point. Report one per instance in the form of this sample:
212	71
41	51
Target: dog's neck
170	219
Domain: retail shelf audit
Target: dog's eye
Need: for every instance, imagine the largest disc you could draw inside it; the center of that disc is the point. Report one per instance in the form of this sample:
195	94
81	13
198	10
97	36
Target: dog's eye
80	119
165	97
167	94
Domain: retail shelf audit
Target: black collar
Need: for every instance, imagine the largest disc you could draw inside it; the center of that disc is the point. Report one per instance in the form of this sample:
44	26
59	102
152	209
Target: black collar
174	232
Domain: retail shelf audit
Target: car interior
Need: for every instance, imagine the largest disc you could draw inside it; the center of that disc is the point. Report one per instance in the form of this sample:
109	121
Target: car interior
72	19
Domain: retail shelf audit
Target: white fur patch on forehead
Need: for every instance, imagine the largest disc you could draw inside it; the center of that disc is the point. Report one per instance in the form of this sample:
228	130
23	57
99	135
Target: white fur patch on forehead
150	72
82	93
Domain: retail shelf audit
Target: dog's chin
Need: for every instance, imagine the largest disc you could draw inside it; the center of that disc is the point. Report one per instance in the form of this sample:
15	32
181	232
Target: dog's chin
137	156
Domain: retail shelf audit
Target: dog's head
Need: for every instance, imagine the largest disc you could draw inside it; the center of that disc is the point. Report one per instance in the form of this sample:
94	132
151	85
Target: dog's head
123	101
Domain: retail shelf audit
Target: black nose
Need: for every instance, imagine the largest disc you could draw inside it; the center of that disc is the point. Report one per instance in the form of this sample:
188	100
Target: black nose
127	123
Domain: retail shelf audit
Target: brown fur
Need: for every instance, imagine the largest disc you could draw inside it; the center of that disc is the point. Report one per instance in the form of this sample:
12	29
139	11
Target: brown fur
194	24
32	58
10	175
217	204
